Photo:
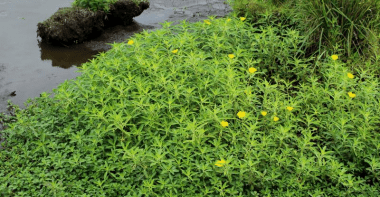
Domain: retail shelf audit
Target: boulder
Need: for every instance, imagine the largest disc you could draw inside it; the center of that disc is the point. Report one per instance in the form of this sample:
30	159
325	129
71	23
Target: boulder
73	25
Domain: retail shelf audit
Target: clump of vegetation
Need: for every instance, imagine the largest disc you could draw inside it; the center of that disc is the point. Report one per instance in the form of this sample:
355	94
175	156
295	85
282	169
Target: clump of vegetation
94	5
103	5
221	107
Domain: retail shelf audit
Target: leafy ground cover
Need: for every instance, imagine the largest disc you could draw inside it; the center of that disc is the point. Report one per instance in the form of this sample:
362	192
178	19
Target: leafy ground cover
222	107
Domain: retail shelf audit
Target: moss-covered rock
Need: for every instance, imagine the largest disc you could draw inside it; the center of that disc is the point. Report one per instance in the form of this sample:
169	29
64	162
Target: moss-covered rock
123	11
72	25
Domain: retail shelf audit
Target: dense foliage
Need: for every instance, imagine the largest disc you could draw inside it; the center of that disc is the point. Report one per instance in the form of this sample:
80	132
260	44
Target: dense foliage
221	107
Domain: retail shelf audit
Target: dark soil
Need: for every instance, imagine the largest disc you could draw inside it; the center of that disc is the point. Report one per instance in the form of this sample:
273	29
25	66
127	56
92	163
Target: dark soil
73	25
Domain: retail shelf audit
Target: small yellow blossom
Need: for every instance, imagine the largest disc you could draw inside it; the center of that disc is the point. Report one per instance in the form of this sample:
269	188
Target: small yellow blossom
229	19
352	95
242	18
207	22
334	57
220	163
349	75
264	113
289	108
224	123
241	114
276	118
247	93
231	56
130	42
252	70
175	51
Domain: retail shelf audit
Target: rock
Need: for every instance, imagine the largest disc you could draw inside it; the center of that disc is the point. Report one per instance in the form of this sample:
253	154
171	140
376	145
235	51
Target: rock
12	93
123	11
73	25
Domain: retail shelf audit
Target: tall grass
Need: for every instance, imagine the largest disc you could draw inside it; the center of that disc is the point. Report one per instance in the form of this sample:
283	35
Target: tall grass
350	28
351	25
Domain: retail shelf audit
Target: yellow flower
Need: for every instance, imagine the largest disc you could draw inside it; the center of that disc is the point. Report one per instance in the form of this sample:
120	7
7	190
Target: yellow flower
276	118
264	113
334	57
242	18
352	95
229	19
241	114
252	70
289	108
247	93
207	22
220	163
224	123
351	76
231	56
130	42
175	51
